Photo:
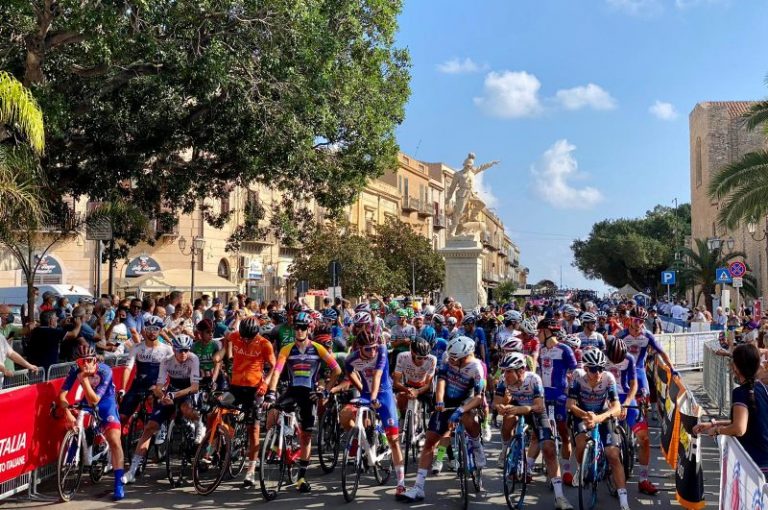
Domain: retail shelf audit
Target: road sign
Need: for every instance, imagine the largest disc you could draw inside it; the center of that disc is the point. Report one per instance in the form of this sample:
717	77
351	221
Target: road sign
737	268
722	275
668	277
738	282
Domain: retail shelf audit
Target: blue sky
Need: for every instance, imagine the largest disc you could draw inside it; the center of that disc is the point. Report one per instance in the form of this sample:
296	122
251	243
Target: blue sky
585	102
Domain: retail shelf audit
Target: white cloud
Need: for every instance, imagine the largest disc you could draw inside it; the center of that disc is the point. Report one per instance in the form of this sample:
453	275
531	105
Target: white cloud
485	193
510	94
552	175
589	95
685	4
637	7
459	66
663	111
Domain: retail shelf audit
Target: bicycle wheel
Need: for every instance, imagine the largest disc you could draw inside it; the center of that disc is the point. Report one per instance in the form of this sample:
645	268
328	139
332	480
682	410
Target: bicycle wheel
588	478
175	452
239	446
273	465
382	469
461	458
69	467
328	441
407	438
627	453
352	464
211	462
100	459
515	473
131	440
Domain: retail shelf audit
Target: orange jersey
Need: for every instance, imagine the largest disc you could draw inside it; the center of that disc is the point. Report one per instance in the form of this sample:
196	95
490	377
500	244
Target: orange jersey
457	313
249	358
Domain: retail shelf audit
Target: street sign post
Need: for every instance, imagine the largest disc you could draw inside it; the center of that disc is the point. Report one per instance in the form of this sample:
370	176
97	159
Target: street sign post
738	282
737	269
723	275
334	270
668	278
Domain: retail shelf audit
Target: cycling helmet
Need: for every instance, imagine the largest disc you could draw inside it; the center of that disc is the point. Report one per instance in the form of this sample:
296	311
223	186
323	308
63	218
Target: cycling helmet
362	319
267	328
594	358
528	326
279	317
513	361
639	313
513	315
393	305
298	307
316	316
615	349
511	343
452	321
365	338
402	313
182	342
154	323
469	319
602	315
569	310
330	315
460	347
438	319
572	341
588	317
302	319
429	334
549	323
249	328
420	347
362	307
85	351
375	306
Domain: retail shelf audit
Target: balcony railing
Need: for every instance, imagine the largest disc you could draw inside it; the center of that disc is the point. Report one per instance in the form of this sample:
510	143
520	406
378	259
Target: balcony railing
65	220
490	276
411	204
426	209
164	230
439	222
257	244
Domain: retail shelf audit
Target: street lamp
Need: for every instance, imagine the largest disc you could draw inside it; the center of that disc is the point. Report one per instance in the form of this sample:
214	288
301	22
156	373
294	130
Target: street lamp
715	243
198	243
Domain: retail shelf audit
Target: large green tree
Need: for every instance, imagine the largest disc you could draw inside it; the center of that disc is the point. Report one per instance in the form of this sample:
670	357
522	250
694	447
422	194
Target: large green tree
633	251
412	262
169	102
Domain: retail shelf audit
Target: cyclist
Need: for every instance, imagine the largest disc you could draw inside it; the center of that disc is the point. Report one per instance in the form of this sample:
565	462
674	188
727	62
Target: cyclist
593	401
556	362
528	332
438	344
99	393
368	370
438	322
521	393
249	352
621	365
205	348
460	385
638	341
176	386
414	371
401	336
147	356
511	321
303	360
602	324
589	337
570	324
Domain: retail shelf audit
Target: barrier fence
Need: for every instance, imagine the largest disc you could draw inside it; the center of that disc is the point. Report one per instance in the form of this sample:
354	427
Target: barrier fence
686	350
718	382
742	484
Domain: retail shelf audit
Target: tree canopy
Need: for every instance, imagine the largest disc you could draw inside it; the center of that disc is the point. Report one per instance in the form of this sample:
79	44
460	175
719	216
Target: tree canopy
167	103
633	251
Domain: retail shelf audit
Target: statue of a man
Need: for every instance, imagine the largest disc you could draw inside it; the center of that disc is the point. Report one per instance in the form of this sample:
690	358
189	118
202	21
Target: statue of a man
464	186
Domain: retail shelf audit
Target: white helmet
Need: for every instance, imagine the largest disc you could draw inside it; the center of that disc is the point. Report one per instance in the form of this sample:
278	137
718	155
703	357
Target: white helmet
594	358
460	347
513	361
511	343
529	326
513	315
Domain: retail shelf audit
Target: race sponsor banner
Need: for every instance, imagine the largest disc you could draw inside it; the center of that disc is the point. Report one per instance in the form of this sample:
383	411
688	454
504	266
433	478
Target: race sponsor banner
667	394
689	476
742	484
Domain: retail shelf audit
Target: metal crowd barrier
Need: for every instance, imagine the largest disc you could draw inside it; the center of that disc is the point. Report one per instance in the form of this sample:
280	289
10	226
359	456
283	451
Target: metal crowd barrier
718	382
686	350
23	378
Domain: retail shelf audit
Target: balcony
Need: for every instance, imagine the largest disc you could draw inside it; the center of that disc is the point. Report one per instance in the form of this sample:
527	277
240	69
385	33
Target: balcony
439	222
490	276
426	210
162	229
411	204
256	245
63	221
486	240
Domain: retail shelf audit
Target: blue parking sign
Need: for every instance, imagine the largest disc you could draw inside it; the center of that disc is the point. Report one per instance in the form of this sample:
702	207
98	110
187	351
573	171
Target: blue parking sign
668	277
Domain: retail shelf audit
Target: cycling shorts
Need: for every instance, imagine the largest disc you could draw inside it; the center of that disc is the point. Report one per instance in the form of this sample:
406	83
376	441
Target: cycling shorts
539	424
559	397
300	396
440	421
109	418
607	431
132	398
387	412
635	421
162	413
247	399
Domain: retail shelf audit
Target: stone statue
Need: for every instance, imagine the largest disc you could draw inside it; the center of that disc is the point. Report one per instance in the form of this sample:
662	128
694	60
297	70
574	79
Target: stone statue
464	186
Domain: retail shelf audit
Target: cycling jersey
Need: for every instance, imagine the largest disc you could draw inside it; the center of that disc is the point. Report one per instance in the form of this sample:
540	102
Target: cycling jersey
179	375
399	332
147	360
304	366
368	367
102	385
438	350
570	327
525	392
249	358
284	335
462	383
413	375
478	335
530	346
594	399
638	347
593	341
443	332
554	364
205	352
624	373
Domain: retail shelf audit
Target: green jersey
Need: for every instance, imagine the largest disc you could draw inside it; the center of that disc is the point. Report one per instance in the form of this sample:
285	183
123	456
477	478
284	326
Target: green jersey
285	335
205	352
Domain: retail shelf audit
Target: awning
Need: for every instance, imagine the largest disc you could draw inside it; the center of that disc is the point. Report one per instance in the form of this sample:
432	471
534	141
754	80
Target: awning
522	293
178	279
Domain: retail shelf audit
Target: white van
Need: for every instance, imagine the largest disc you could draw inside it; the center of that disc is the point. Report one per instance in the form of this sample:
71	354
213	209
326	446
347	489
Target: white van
17	296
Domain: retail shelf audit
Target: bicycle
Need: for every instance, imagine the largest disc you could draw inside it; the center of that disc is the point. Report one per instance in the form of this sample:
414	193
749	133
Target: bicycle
180	450
134	429
329	434
365	446
280	452
214	455
516	465
541	467
73	450
465	459
414	431
628	442
593	469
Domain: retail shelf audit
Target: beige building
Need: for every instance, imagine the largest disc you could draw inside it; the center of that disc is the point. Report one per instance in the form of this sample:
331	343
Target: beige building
718	137
414	193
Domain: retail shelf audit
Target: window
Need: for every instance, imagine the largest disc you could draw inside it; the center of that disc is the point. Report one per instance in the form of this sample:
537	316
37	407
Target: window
400	183
405	191
225	204
697	162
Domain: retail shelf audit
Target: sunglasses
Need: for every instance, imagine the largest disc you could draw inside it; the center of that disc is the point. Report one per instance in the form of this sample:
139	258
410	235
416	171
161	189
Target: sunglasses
181	350
595	370
368	348
85	361
419	358
151	329
302	328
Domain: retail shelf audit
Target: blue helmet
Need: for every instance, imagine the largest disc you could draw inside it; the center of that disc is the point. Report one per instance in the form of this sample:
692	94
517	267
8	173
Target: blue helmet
302	319
429	334
182	342
330	315
154	323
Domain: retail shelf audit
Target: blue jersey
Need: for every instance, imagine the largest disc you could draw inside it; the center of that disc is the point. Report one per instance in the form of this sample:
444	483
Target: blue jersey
525	392
638	346
624	373
101	382
366	368
478	335
462	383
438	350
595	399
593	341
443	333
554	365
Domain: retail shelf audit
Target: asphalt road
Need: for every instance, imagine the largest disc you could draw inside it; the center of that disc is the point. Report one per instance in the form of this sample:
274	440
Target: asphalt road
153	490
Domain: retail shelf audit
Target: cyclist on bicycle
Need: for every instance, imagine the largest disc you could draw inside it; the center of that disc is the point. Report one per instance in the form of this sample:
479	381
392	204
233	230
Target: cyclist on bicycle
460	391
622	365
437	344
520	392
176	387
638	340
412	378
438	322
147	356
593	401
205	348
401	336
303	360
512	320
368	371
589	337
556	362
99	393
250	352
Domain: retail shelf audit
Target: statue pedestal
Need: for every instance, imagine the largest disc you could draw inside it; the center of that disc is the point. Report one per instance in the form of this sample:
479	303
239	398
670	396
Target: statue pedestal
464	271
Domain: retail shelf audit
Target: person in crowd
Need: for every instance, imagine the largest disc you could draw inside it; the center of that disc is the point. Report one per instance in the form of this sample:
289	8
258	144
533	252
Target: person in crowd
49	343
134	321
8	357
174	300
210	313
116	339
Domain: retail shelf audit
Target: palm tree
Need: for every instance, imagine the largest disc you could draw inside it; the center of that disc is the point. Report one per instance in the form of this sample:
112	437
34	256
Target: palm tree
20	112
743	185
700	267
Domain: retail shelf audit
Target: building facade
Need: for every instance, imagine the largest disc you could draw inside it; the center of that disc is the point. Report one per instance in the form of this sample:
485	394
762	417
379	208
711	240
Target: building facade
719	137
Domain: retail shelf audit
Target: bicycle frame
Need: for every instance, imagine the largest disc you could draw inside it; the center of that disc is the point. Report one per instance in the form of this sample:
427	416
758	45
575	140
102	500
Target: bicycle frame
364	411
414	408
286	423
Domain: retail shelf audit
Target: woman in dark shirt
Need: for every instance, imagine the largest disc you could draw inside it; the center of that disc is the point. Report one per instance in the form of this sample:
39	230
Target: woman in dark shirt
749	408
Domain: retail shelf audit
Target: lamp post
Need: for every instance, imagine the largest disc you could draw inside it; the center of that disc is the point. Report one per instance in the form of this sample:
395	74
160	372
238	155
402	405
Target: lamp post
198	243
752	229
